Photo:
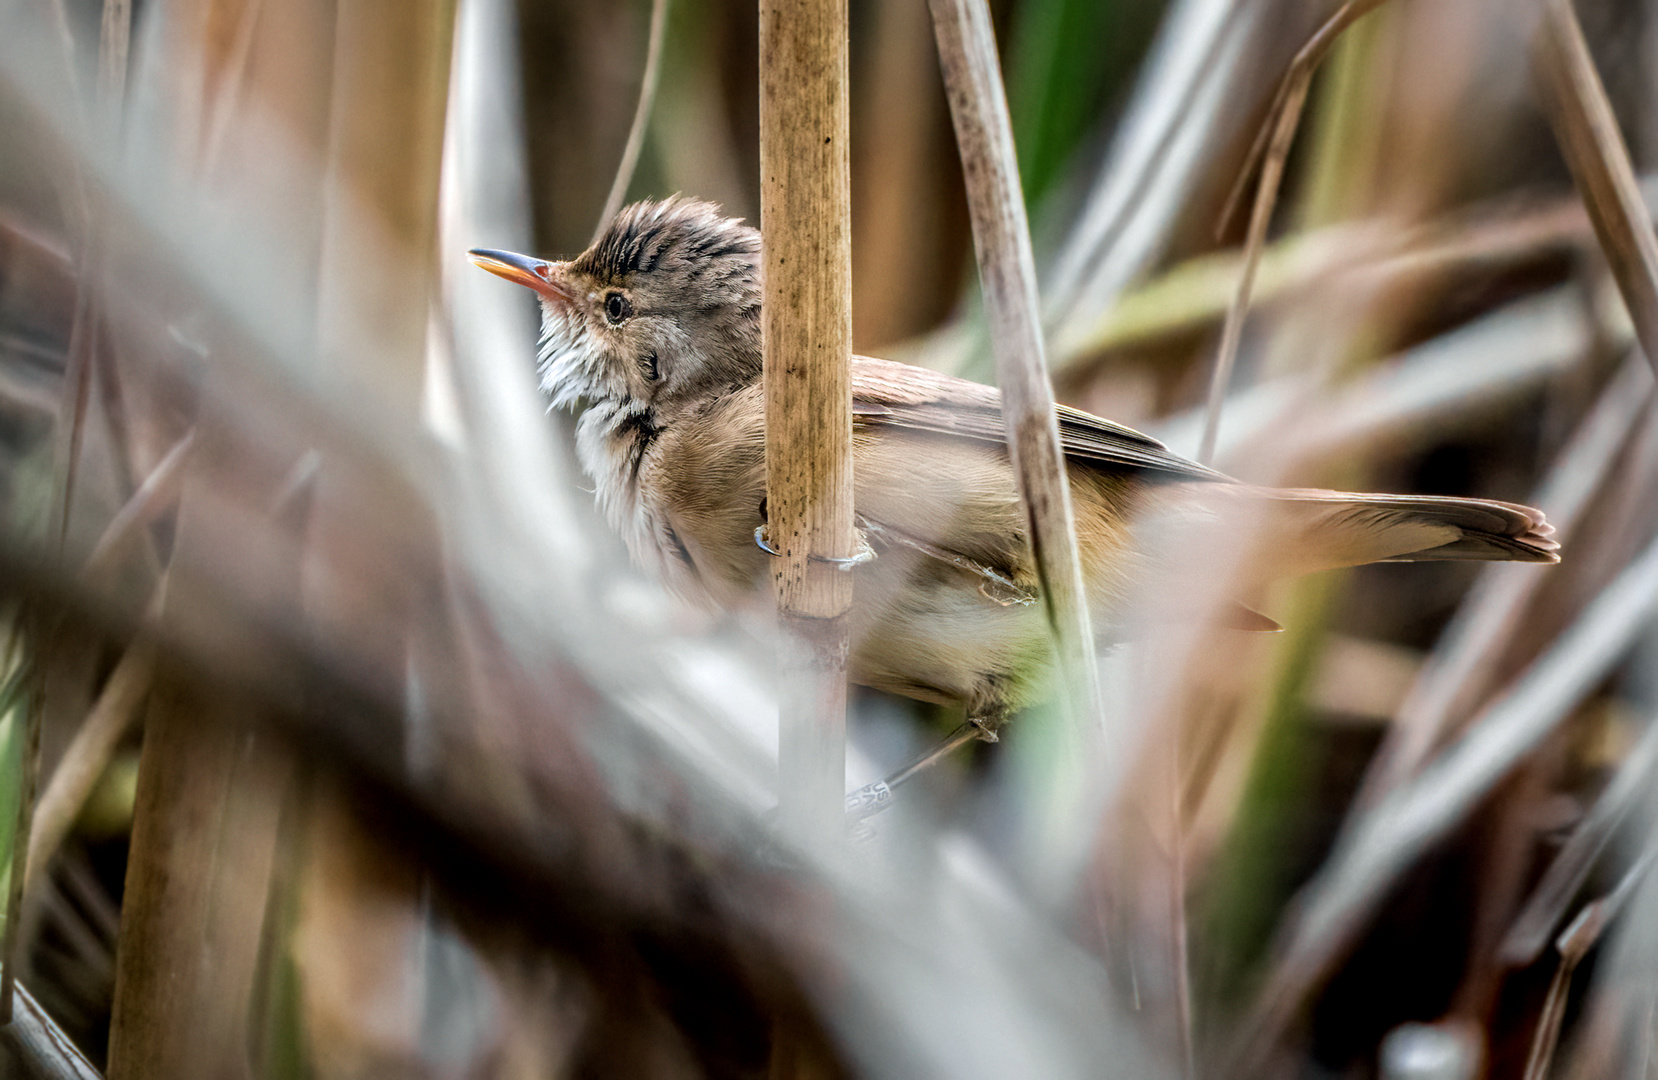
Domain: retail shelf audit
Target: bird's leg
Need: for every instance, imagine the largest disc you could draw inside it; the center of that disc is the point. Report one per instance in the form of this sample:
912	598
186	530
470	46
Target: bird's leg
871	799
996	586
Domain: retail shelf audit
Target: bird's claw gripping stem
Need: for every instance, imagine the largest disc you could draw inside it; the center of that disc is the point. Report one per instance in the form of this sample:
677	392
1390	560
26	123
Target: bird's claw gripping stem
762	540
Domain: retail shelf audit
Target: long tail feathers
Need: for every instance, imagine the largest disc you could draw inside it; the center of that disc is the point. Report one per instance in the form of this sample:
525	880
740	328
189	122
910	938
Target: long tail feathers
1352	529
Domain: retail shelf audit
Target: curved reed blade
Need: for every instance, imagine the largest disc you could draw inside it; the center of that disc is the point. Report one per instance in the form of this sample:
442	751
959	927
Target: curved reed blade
1599	160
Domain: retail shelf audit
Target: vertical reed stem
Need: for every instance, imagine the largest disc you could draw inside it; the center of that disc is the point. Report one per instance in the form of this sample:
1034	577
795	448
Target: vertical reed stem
805	181
1007	274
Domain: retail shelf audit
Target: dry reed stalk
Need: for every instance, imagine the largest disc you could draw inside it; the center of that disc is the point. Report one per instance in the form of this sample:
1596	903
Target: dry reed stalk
157	495
1197	96
195	836
164	968
42	1046
805	210
1574	944
1388	839
119	703
1486	242
543	746
74	410
1457	380
390	83
494	837
1501	870
1561	882
1007	277
1600	164
388	110
170	1002
193	912
1463	666
88	755
70	431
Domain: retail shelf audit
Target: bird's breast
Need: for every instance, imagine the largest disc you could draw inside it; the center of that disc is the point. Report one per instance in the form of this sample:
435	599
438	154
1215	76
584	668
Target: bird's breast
703	485
683	487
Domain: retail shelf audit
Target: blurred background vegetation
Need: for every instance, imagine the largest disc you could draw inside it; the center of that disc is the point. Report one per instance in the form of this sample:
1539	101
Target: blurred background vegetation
349	747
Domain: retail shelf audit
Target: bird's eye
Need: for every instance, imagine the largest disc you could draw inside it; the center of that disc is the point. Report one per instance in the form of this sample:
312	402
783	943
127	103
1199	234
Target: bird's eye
617	308
652	370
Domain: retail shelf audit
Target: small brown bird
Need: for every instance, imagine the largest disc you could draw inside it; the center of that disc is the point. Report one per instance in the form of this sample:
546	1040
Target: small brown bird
656	329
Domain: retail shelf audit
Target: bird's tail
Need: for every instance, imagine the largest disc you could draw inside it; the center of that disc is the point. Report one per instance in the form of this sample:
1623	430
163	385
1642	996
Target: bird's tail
1339	528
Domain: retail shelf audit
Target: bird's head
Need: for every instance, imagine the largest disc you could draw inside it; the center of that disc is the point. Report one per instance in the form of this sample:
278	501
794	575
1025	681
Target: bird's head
664	306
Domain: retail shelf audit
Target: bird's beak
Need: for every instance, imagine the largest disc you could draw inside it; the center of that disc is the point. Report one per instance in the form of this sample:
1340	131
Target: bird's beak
542	276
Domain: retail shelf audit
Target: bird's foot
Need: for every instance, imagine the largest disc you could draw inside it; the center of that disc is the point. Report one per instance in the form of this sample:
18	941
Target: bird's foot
762	540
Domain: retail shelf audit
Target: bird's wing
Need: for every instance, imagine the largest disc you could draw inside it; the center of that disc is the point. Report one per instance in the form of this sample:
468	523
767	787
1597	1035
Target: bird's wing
899	395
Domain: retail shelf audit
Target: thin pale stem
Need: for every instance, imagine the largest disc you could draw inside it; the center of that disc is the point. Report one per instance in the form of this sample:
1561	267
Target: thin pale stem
88	755
1302	65
1266	197
641	118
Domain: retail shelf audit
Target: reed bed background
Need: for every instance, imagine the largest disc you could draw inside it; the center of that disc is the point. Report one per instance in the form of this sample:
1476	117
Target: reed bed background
338	739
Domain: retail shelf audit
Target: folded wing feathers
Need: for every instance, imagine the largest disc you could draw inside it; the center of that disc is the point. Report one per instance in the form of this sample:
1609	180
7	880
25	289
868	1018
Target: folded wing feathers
887	393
